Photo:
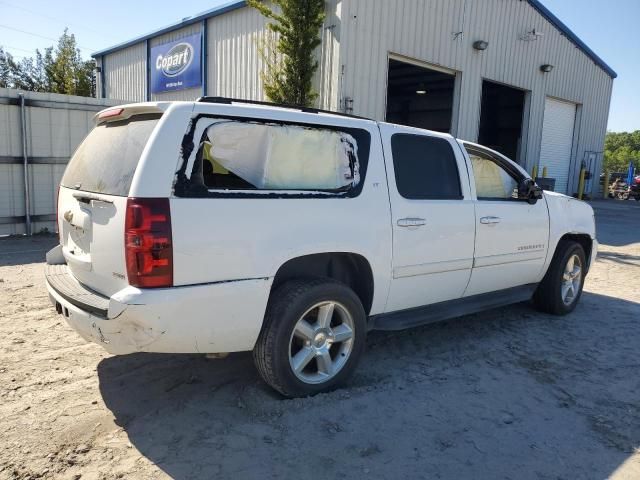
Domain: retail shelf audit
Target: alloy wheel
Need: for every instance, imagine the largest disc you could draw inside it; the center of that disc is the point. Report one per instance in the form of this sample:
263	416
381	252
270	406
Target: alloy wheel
321	342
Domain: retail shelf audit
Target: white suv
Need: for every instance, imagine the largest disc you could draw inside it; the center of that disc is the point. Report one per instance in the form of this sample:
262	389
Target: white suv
221	226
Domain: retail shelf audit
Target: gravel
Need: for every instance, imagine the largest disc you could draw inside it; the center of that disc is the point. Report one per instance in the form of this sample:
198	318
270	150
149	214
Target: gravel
508	394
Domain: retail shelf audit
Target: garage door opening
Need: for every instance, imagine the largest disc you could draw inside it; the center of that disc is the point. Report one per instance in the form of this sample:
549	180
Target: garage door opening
419	97
501	119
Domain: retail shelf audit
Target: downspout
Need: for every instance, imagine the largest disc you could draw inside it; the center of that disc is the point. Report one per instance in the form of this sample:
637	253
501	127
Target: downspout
103	88
322	84
25	164
204	65
147	72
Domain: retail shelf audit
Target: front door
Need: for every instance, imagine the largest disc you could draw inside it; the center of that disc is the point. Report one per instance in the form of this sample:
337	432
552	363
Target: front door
511	235
433	217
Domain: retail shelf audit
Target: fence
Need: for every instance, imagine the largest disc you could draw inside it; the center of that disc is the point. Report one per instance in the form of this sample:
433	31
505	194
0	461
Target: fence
38	134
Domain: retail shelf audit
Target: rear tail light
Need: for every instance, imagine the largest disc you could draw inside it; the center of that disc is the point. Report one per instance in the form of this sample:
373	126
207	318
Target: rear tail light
148	243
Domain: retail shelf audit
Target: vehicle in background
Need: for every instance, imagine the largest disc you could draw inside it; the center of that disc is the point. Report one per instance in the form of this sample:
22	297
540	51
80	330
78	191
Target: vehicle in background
634	189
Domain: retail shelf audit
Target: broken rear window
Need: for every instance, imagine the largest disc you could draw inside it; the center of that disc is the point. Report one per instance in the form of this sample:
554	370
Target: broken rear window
257	157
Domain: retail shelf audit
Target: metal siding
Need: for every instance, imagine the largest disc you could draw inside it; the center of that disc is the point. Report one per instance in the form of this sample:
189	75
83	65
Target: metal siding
326	78
362	35
188	94
52	132
424	30
125	74
233	60
235	63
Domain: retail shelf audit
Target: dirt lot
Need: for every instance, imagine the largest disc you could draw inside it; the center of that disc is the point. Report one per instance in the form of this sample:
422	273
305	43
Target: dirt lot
504	394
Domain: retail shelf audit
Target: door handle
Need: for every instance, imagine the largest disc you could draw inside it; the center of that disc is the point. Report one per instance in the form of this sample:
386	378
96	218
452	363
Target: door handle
412	222
489	220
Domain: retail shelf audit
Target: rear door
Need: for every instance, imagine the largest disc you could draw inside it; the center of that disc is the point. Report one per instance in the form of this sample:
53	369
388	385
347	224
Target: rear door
92	201
432	217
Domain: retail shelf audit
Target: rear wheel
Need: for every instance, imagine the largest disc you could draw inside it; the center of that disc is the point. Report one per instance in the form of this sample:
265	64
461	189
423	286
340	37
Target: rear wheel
561	288
313	336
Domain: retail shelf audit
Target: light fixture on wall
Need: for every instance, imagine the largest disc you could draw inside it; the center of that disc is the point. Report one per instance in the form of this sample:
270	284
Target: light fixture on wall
421	90
546	68
480	45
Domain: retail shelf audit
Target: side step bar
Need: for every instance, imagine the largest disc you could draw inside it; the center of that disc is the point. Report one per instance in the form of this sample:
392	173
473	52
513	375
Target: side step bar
437	312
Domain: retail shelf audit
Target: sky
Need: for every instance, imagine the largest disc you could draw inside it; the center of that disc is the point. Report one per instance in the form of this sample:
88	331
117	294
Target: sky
609	28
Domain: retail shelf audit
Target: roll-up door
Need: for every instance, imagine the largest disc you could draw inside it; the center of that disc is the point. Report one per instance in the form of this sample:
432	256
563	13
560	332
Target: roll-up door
557	141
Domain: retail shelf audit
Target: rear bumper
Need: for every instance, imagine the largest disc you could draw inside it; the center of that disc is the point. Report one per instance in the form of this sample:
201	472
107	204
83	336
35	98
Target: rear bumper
214	318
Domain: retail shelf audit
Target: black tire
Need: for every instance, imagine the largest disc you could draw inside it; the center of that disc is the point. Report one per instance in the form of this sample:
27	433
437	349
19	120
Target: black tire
286	306
548	296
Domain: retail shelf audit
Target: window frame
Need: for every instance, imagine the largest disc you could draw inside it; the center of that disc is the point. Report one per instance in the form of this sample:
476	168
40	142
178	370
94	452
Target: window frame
458	197
185	188
503	163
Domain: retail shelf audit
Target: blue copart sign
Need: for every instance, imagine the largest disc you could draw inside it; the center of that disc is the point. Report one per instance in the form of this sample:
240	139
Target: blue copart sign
176	65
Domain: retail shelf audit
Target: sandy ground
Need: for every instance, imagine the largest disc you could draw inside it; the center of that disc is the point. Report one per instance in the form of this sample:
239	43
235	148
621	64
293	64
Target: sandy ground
507	394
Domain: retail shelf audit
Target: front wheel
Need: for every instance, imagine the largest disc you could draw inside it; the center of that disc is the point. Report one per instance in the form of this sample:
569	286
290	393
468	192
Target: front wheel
561	288
313	335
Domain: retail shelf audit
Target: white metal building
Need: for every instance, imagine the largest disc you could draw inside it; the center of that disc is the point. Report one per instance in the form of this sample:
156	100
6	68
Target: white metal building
504	73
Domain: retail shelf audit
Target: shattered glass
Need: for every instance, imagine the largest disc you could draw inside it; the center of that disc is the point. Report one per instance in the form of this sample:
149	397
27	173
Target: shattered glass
283	157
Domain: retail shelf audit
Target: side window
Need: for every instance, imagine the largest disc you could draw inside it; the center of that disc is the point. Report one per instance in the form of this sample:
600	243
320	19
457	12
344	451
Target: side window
425	167
492	181
253	156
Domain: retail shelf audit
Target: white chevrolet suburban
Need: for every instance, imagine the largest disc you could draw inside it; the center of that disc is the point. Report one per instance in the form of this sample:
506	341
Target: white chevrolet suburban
221	226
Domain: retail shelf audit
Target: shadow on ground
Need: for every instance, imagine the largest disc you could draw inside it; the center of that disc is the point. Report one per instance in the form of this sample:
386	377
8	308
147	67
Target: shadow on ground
504	394
617	222
22	250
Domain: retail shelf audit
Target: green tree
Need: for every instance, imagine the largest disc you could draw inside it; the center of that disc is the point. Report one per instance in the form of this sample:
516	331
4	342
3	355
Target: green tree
66	71
57	70
290	56
6	60
620	149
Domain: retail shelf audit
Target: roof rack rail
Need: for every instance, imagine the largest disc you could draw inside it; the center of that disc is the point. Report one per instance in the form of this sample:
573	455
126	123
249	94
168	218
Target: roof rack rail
229	101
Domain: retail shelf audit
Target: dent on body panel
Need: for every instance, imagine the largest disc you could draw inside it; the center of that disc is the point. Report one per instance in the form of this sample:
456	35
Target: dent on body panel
568	215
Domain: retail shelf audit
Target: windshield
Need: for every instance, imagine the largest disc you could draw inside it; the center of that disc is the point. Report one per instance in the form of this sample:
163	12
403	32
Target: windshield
107	159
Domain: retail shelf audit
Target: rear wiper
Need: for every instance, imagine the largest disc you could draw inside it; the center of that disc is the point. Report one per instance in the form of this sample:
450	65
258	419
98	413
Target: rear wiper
88	197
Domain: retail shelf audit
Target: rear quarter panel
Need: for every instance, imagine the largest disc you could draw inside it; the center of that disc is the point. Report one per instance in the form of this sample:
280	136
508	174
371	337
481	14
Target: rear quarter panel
227	239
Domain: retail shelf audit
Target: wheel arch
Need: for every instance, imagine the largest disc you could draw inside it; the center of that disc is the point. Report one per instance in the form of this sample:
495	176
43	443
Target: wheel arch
351	269
584	240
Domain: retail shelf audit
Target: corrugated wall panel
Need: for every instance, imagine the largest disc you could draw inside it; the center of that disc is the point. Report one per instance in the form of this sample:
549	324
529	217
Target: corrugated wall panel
441	32
326	79
53	134
190	93
125	74
235	62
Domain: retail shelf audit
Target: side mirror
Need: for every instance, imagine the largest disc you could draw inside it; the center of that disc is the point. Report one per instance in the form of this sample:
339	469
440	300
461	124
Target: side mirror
529	191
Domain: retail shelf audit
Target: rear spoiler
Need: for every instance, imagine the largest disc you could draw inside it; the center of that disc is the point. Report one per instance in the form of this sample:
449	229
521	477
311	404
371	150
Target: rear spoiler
124	112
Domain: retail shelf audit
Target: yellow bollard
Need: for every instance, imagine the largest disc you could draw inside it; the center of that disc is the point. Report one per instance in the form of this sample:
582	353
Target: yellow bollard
583	172
607	182
545	172
534	172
